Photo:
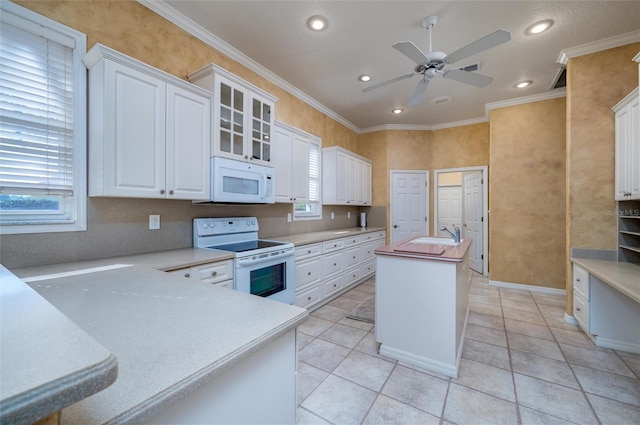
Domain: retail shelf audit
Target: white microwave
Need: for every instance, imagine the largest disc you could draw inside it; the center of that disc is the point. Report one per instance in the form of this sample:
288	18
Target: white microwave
241	182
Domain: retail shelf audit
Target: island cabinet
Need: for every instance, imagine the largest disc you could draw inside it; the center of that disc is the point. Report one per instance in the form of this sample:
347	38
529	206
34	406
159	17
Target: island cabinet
149	132
243	116
422	305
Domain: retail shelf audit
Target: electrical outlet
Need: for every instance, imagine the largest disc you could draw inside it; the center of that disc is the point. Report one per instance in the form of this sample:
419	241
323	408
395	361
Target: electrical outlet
154	221
333	216
288	217
348	214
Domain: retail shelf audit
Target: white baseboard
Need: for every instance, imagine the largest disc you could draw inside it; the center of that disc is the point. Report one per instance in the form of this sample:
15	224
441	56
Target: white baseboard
570	320
423	362
630	347
523	287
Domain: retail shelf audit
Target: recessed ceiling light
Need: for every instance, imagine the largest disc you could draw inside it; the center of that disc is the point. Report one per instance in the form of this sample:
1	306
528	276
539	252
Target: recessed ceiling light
317	23
364	78
397	111
523	84
539	27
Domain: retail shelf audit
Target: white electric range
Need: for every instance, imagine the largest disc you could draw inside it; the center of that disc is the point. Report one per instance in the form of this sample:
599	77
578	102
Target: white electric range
261	267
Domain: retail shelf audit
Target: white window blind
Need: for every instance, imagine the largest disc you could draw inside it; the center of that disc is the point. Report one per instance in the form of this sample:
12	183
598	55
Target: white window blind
314	173
36	113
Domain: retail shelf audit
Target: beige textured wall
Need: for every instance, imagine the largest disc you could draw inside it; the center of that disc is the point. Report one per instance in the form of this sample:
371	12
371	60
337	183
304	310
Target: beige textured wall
595	83
527	194
120	226
463	146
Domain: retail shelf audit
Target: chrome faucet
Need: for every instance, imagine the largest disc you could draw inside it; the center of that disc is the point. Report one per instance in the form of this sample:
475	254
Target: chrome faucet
456	233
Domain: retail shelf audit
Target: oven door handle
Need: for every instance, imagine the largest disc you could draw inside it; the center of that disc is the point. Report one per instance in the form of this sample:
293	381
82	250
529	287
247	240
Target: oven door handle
242	262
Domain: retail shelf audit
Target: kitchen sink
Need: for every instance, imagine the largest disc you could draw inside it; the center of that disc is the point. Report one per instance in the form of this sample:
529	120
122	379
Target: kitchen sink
435	241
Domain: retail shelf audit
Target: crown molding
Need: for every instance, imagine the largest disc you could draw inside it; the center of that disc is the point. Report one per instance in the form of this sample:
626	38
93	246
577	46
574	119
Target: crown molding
553	94
597	46
188	25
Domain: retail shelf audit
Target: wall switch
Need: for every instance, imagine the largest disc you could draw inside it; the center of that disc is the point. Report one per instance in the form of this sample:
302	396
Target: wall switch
288	217
154	221
348	214
332	215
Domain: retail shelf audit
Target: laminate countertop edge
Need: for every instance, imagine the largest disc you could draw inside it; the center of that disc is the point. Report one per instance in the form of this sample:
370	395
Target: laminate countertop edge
623	276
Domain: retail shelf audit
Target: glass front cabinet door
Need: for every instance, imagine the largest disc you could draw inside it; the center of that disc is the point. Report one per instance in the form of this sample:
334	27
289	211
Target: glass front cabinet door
243	116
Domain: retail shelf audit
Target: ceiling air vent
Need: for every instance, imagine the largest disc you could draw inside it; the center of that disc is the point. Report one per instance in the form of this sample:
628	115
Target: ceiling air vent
471	68
560	80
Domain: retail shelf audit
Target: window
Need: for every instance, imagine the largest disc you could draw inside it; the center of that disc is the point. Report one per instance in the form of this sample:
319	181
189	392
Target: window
312	209
42	124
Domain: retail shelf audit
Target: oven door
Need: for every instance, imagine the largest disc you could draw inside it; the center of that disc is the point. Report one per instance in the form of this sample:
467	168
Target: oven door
270	275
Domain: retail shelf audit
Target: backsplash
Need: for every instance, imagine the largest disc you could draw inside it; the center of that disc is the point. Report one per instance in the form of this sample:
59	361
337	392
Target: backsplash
120	226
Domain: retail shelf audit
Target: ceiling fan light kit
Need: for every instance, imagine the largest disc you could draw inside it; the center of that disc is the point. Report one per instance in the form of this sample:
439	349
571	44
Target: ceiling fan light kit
433	63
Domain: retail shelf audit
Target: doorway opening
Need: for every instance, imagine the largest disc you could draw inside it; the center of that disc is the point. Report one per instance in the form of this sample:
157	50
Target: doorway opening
461	198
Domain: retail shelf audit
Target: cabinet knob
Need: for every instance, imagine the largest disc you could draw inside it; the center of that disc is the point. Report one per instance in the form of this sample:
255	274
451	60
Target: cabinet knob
214	273
395	226
578	309
334	285
161	191
335	264
187	275
171	192
578	280
308	298
309	252
309	274
246	157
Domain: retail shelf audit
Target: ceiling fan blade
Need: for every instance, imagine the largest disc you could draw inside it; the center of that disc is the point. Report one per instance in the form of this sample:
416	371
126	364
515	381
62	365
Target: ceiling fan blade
389	81
487	42
418	93
410	50
466	77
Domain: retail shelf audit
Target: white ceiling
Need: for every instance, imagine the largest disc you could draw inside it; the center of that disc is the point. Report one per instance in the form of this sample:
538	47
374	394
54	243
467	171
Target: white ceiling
323	66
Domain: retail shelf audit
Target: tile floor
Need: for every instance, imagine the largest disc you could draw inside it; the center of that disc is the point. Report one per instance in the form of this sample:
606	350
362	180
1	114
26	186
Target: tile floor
521	364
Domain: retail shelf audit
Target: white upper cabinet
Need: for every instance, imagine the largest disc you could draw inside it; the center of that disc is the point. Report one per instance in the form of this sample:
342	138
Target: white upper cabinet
149	132
243	116
627	121
346	177
291	163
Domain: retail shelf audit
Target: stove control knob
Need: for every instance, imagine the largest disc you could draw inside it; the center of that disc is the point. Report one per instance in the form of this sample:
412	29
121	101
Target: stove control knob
205	225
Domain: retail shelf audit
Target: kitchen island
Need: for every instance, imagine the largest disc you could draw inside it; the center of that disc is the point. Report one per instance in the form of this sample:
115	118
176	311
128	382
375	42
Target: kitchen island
422	300
187	352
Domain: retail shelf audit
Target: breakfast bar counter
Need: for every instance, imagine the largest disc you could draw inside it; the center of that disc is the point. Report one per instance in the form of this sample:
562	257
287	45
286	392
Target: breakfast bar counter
172	337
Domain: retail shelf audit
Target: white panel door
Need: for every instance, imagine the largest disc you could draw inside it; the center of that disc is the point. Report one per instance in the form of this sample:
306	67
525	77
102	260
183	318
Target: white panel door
472	228
449	208
409	197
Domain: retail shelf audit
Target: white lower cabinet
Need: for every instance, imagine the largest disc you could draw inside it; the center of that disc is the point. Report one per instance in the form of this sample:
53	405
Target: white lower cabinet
328	268
219	273
581	292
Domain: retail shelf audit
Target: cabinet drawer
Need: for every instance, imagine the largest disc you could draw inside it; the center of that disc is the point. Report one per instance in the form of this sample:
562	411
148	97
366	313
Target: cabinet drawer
367	269
332	264
214	273
373	235
333	285
308	251
367	251
225	284
309	296
351	276
351	257
352	240
581	282
307	272
581	311
331	246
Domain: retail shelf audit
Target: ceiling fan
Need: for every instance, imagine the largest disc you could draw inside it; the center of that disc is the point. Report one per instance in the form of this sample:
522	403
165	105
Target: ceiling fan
432	63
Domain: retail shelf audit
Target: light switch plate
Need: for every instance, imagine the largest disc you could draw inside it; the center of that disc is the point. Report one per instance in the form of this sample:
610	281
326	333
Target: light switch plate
154	221
288	217
332	215
348	214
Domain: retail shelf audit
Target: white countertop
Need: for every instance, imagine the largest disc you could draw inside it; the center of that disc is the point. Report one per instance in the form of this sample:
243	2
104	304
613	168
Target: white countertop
169	334
47	361
625	277
325	235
